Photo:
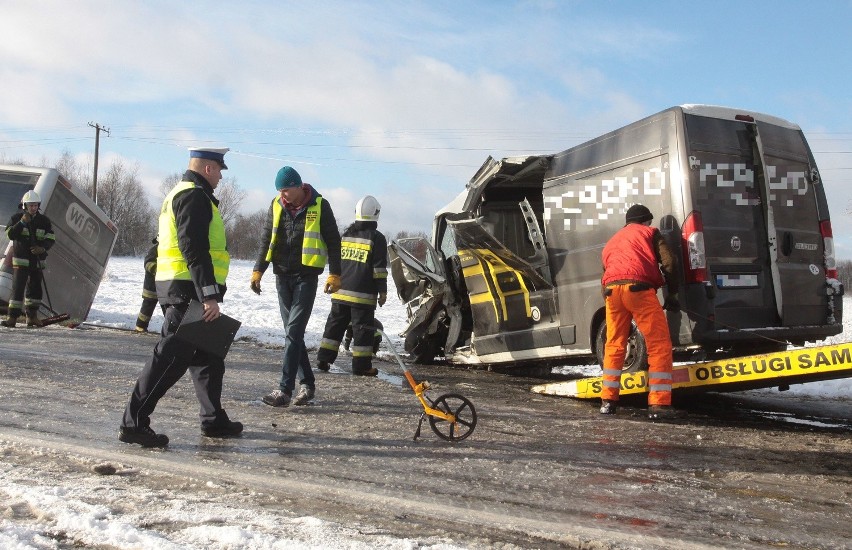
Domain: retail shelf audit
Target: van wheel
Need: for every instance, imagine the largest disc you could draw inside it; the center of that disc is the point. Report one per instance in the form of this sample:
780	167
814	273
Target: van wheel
421	347
636	356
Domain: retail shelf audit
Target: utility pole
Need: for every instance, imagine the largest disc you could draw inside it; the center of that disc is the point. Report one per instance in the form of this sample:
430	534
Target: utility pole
98	129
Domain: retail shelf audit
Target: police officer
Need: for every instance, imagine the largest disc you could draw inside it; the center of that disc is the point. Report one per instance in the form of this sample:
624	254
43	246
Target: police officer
32	235
300	235
632	275
363	284
192	263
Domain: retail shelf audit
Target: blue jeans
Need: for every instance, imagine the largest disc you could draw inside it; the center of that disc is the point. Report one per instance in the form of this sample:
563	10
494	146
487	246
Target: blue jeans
296	295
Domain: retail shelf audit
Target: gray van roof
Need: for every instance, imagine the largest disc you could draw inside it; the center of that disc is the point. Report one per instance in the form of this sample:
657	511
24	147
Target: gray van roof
457	205
716	111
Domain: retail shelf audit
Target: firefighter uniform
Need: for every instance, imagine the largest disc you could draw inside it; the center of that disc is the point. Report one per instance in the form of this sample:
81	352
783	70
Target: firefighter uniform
32	239
632	275
192	264
149	290
363	280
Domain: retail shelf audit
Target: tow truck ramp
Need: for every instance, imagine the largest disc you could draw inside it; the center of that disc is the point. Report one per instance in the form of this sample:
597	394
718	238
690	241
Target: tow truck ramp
794	366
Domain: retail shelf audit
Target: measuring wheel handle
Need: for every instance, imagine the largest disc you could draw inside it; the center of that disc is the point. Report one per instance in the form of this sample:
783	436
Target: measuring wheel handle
461	409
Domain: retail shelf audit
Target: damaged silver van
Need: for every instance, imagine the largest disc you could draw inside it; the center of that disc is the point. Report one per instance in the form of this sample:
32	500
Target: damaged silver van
512	273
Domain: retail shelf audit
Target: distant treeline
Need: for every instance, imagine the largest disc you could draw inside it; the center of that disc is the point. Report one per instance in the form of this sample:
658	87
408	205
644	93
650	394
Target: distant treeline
124	199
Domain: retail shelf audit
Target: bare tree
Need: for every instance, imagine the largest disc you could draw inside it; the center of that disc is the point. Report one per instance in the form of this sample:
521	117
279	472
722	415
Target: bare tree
244	235
168	183
230	197
79	175
123	199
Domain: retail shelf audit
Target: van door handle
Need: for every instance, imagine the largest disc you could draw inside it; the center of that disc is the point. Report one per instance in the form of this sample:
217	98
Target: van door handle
787	243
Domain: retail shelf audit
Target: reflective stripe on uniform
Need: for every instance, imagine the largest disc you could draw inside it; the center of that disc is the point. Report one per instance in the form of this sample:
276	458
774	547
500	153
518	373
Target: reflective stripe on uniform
329	344
362	351
354	297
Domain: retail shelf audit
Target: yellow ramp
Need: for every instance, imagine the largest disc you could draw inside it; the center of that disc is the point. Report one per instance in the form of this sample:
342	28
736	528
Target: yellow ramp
795	366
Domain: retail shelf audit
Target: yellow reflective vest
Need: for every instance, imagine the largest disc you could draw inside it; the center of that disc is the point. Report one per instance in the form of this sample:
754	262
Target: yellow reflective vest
171	265
314	249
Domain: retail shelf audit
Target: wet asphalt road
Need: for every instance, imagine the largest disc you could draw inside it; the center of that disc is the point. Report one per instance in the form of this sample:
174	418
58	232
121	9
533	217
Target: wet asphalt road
537	472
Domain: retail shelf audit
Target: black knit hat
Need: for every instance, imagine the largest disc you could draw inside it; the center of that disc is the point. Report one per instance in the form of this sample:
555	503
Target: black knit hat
638	214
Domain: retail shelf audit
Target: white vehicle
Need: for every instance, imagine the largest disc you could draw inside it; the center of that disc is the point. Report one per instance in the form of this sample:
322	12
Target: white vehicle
85	237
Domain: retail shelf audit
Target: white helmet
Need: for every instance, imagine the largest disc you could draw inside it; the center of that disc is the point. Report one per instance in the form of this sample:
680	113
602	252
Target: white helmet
31	197
367	209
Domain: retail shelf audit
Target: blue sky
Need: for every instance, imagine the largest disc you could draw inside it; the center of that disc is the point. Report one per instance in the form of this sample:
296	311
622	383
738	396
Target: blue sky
405	100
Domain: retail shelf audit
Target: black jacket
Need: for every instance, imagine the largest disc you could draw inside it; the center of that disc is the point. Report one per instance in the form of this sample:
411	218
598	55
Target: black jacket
193	214
27	235
287	254
364	253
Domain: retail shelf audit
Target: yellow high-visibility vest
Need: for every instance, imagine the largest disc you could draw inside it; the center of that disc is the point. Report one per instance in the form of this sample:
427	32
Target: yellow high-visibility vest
171	265
314	249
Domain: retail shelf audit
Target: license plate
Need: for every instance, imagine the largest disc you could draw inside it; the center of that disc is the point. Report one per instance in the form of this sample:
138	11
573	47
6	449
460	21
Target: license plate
737	281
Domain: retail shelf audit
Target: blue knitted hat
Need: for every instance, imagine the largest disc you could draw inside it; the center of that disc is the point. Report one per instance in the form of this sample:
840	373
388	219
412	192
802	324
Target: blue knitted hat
287	177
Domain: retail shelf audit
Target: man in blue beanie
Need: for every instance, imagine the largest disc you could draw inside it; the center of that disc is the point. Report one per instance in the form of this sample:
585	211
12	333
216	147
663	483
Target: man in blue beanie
299	237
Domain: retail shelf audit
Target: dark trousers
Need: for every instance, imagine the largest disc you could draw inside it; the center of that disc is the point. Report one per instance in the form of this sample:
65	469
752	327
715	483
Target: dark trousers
26	281
363	331
171	359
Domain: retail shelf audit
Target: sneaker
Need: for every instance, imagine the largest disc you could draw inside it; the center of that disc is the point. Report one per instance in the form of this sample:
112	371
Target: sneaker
304	396
372	371
277	399
222	428
323	366
143	436
664	412
608	407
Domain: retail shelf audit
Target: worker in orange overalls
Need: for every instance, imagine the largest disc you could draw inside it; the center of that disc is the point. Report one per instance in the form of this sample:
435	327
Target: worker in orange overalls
632	275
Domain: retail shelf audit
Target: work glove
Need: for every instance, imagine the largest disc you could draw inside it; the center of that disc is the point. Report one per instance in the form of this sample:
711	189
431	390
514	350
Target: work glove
255	281
26	217
671	303
37	250
383	297
332	284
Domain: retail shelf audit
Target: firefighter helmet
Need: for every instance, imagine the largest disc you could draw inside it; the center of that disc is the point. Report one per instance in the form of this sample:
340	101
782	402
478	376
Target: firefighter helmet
367	209
31	197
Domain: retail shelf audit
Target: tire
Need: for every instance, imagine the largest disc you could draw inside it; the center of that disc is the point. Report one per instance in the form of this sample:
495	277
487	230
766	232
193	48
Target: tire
421	347
636	357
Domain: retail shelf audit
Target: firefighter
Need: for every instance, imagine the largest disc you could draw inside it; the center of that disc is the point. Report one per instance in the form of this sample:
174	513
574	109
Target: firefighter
149	289
32	235
632	275
363	284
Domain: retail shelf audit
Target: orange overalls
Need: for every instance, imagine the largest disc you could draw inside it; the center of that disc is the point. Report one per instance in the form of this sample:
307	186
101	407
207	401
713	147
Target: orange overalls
631	278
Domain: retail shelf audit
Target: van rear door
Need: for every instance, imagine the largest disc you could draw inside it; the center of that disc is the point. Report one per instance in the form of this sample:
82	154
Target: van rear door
751	183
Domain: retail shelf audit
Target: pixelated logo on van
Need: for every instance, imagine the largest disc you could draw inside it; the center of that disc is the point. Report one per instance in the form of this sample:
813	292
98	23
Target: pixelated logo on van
80	221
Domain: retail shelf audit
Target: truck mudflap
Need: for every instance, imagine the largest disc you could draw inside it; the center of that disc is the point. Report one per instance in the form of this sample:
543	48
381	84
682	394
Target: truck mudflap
796	366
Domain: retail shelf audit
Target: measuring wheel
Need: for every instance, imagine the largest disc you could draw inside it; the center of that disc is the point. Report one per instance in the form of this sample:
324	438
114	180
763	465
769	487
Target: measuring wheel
458	406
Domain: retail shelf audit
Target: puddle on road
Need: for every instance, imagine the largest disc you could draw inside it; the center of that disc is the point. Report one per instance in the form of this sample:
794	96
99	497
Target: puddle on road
791	418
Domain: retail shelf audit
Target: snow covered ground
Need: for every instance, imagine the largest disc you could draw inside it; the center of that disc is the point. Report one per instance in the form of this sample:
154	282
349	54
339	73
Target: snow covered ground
39	502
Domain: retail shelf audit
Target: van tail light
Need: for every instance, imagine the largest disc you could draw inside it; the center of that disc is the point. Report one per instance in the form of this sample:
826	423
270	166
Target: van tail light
694	257
828	249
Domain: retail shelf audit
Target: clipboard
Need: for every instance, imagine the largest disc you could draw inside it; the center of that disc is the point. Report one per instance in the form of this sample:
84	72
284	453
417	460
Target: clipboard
214	337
